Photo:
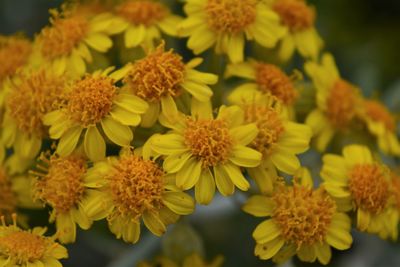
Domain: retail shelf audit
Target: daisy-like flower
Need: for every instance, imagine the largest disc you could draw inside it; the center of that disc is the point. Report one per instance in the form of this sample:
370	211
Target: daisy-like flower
301	35
227	24
28	248
161	77
205	152
382	124
61	183
302	221
193	260
362	184
92	101
131	188
338	101
279	140
145	20
265	79
33	94
66	42
395	212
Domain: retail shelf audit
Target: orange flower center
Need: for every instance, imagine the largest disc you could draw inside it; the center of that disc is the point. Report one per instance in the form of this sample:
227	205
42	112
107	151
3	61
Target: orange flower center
272	79
209	140
142	12
14	53
91	99
158	74
23	247
378	112
61	187
369	188
8	200
63	36
269	124
136	185
341	104
230	16
295	14
303	215
37	94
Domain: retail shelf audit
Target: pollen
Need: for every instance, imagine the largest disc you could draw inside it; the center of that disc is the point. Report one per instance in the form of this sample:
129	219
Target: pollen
62	186
8	200
158	74
14	53
230	16
208	140
341	104
295	14
63	35
22	246
142	12
37	94
378	112
90	99
302	214
136	185
273	80
369	188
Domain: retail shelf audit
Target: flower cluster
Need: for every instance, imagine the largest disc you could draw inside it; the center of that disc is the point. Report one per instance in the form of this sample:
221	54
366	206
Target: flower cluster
144	142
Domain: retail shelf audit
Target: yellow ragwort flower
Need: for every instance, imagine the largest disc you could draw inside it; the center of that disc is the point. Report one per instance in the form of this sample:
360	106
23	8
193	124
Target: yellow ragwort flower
131	188
145	20
161	77
193	260
62	183
279	140
338	101
205	152
92	101
362	184
382	124
395	212
301	35
33	94
28	248
227	24
302	221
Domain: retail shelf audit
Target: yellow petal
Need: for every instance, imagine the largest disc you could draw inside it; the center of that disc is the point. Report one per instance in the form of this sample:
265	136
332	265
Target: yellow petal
200	91
134	36
99	42
153	223
236	176
236	48
306	253
245	156
205	187
323	253
119	134
131	103
285	161
94	144
259	206
201	77
68	141
125	117
201	110
131	232
223	182
266	231
66	228
168	144
189	174
357	154
169	108
179	202
363	219
270	249
264	175
244	134
173	163
339	239
167	216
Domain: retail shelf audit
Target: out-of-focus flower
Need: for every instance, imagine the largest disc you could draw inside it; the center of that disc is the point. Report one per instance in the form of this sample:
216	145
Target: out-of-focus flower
92	101
205	152
227	24
161	77
395	212
28	248
193	260
279	140
303	221
382	124
145	20
131	188
338	101
360	183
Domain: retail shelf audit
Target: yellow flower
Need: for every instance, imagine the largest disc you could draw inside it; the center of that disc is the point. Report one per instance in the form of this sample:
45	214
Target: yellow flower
161	77
28	248
205	152
360	183
131	188
382	124
33	94
61	183
227	23
193	260
144	20
279	140
338	101
395	211
302	221
66	42
92	101
301	35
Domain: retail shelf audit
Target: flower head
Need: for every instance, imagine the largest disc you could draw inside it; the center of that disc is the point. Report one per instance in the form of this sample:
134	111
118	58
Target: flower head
227	23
